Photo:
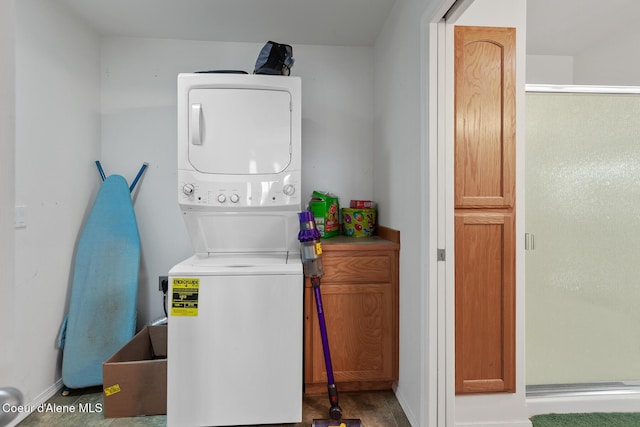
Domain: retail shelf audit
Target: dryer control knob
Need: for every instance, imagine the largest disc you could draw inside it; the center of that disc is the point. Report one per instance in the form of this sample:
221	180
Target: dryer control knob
235	198
222	198
188	189
289	190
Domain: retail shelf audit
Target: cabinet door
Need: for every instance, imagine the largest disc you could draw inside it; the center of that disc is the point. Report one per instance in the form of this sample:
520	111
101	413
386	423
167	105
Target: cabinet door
485	114
485	149
360	322
485	302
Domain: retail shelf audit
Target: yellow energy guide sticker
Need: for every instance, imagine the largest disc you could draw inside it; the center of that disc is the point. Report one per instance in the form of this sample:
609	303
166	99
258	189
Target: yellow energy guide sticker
112	390
184	296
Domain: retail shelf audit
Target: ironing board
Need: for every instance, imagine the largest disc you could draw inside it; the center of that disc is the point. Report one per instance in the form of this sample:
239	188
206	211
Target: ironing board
104	289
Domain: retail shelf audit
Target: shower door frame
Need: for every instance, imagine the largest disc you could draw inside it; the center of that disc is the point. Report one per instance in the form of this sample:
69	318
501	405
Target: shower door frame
582	397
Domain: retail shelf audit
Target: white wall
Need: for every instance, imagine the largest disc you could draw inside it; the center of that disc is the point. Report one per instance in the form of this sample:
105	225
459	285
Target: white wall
397	179
7	149
505	408
139	124
549	69
401	186
607	62
612	61
57	139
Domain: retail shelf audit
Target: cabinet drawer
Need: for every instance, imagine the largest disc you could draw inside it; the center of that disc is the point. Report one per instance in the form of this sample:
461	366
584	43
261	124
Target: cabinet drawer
370	268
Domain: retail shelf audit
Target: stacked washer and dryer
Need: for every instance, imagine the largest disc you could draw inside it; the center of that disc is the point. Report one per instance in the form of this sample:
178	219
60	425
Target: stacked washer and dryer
235	321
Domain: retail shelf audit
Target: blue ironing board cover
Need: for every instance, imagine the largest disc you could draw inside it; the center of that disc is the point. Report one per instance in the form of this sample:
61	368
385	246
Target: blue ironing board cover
102	308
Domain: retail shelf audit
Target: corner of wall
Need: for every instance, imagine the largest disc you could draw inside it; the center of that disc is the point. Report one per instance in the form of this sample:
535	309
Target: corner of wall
7	188
57	95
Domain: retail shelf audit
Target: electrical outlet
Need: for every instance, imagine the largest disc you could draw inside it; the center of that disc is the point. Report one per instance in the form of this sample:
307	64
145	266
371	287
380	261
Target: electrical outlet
20	217
163	283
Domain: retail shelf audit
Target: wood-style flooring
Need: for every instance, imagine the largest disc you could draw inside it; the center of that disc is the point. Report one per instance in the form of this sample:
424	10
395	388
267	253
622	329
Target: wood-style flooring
374	409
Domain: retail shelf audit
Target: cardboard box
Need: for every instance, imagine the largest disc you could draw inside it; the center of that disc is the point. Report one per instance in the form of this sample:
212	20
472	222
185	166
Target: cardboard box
325	209
135	377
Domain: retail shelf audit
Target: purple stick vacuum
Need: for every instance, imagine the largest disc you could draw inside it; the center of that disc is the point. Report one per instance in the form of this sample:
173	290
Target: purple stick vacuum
310	251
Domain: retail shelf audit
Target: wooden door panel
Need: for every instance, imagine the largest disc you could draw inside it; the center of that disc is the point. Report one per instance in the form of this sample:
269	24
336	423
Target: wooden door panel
360	320
484	117
484	197
485	302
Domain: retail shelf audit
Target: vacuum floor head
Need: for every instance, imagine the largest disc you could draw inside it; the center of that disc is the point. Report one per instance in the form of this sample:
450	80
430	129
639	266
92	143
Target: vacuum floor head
338	423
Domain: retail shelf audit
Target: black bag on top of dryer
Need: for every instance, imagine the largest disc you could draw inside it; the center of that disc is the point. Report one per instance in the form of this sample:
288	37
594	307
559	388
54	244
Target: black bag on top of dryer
275	59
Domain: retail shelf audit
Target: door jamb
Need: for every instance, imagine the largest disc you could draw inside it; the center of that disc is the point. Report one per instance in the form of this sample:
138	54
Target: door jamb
441	313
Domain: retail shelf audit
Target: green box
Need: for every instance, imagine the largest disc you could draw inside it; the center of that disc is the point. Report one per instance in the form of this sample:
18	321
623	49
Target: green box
325	209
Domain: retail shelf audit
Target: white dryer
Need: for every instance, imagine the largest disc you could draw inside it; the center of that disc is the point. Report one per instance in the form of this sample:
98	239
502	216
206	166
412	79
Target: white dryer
235	321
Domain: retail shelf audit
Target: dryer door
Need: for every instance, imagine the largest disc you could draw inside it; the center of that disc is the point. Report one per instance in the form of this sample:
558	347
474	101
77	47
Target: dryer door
239	131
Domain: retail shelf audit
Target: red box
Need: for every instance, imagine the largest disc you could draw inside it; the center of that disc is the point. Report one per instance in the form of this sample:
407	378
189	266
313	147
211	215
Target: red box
361	204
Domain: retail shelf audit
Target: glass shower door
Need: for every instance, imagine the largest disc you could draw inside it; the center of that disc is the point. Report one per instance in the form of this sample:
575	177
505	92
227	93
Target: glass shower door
583	238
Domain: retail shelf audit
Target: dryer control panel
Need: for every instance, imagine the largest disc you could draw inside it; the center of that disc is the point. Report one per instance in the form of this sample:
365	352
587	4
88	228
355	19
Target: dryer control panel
226	194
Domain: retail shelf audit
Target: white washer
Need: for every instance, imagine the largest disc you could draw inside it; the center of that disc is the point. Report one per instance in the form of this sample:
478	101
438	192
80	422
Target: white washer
237	362
235	321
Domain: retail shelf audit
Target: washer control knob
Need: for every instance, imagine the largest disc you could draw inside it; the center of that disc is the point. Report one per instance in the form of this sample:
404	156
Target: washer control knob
222	198
188	189
289	190
235	198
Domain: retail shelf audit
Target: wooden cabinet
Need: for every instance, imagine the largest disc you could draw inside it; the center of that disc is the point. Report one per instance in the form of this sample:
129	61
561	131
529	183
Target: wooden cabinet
360	300
485	148
485	302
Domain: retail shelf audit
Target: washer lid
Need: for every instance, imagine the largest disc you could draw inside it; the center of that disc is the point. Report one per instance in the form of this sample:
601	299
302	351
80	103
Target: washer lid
240	264
240	259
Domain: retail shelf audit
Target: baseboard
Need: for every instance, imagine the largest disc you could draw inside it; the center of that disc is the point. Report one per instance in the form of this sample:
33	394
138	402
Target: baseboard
579	404
37	401
519	423
405	408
